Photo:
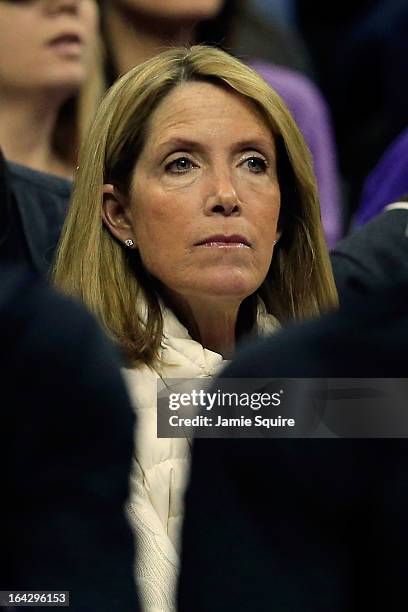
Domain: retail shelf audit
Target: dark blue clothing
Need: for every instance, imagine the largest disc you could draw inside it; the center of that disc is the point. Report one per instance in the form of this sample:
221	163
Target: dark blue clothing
304	525
31	228
373	255
66	449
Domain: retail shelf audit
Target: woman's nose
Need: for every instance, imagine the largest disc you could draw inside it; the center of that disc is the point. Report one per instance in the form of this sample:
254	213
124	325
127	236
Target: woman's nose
223	198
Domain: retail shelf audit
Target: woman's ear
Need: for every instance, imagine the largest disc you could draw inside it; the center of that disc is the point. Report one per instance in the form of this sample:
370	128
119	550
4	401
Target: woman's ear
116	214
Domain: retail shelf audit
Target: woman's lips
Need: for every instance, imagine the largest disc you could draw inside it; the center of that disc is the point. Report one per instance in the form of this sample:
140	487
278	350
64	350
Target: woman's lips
225	245
221	241
67	44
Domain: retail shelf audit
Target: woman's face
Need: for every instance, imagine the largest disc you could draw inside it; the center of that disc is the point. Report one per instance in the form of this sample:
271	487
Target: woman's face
45	43
205	199
180	9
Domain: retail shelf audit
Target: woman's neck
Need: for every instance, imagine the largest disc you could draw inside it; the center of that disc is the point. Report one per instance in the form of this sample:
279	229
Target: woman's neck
26	133
212	322
134	37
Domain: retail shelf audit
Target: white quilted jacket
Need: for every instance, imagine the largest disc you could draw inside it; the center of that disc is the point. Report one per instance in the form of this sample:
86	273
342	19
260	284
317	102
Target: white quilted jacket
160	466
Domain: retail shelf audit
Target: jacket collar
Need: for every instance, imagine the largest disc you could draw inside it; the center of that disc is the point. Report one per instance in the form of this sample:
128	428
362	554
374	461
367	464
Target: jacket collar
179	350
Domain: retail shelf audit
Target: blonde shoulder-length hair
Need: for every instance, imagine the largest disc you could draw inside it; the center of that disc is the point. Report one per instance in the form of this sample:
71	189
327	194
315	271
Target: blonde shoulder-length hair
92	265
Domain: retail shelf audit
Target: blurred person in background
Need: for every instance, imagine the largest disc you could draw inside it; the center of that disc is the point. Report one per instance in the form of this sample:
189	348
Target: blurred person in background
134	30
46	50
48	93
386	183
376	249
266	29
194	223
373	254
360	52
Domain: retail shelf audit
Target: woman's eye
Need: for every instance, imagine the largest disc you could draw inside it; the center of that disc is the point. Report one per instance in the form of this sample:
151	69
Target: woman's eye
179	165
256	164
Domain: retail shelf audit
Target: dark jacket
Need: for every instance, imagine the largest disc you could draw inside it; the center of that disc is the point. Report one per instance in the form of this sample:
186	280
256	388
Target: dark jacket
372	255
66	448
304	525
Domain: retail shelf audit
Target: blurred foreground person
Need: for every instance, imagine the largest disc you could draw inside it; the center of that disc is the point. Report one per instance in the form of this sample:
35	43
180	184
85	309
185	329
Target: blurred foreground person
66	447
194	223
305	525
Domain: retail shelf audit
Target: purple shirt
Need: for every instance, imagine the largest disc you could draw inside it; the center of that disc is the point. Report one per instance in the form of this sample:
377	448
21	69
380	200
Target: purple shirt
386	183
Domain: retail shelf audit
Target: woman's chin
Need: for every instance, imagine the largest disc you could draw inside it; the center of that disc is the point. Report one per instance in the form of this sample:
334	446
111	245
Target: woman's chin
229	286
67	79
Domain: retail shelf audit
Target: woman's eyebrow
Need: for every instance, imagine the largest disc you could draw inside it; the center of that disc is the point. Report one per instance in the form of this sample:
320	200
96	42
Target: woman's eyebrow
182	144
255	143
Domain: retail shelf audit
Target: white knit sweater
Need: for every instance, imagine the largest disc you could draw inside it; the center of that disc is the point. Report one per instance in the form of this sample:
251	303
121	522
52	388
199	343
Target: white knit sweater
160	465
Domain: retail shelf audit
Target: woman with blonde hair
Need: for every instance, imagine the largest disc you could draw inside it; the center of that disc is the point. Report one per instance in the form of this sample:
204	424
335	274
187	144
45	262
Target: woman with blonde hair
48	50
135	30
194	222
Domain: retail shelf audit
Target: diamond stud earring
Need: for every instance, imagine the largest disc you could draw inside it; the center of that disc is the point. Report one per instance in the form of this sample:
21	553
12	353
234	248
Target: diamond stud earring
129	243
